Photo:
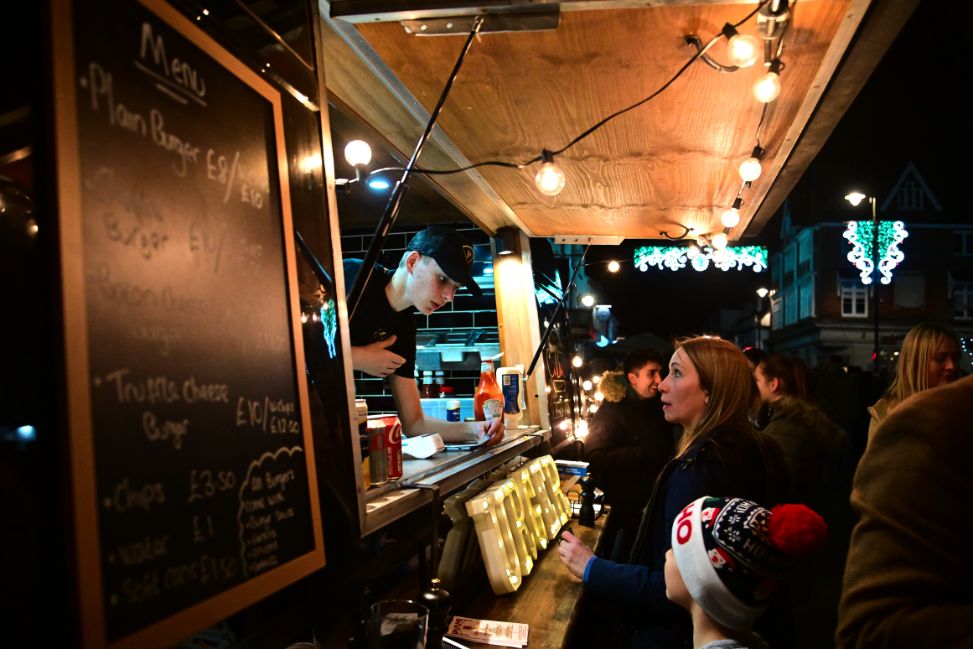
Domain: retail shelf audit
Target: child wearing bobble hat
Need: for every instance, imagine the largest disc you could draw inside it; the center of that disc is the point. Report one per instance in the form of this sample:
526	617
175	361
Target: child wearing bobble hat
728	556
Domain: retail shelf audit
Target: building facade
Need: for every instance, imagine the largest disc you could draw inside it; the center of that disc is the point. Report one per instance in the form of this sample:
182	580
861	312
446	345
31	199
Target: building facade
819	307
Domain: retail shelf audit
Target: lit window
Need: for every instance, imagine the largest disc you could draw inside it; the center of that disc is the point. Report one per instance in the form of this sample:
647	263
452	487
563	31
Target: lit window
854	299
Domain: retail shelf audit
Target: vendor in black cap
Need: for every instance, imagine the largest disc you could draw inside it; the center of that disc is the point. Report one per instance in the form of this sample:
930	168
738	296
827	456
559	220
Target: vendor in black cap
436	263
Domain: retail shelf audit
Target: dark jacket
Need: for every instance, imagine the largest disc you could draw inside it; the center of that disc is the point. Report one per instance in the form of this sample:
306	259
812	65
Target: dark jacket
907	580
628	443
725	462
811	442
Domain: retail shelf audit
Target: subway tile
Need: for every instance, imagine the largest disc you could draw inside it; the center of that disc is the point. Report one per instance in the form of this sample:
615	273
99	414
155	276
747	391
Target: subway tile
485	319
450	320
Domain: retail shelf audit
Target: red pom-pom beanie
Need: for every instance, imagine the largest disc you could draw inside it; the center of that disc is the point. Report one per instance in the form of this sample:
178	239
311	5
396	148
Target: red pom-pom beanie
733	554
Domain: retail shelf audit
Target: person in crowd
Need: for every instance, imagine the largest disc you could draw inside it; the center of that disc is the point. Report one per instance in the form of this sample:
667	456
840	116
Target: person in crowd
728	556
754	356
929	358
809	439
908	574
628	443
437	261
709	391
812	446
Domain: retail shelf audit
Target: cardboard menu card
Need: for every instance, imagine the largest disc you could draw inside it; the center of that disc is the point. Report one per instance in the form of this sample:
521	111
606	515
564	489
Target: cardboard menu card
501	634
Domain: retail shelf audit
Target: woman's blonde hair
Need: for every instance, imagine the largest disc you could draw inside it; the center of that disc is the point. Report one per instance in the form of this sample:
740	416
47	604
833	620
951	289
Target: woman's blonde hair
918	349
725	376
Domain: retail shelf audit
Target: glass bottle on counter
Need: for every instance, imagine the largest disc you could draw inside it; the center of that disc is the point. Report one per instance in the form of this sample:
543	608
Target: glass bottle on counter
428	390
488	398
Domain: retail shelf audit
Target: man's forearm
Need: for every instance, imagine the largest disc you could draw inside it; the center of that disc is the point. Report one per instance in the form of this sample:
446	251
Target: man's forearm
457	432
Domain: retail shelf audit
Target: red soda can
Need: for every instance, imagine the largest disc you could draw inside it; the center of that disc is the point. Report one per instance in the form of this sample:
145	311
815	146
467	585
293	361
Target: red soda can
393	446
378	467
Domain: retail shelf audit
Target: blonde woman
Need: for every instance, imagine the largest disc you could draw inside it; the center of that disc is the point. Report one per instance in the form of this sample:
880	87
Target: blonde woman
929	358
709	391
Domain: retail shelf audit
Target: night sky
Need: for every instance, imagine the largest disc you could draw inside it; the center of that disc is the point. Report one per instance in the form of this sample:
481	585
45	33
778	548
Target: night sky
912	108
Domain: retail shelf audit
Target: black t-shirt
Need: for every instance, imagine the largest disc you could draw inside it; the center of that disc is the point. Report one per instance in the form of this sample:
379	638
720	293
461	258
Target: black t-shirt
376	320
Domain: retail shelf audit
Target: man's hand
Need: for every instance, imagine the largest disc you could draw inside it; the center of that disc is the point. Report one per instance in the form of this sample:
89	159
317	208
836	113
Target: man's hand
375	359
574	554
493	428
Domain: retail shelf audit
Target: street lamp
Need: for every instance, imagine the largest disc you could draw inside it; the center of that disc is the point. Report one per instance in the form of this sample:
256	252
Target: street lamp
761	294
855	198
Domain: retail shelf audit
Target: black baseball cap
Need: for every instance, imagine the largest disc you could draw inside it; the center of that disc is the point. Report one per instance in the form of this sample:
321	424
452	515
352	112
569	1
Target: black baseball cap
452	251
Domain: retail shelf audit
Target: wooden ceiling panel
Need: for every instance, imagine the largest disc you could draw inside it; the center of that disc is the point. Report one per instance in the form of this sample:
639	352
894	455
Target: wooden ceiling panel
670	161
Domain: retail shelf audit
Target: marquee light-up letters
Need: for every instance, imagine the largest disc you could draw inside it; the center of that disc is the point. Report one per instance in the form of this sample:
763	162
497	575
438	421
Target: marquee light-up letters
890	234
515	518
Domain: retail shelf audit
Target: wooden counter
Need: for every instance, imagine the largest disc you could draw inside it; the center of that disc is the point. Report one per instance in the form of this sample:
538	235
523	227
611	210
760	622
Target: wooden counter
549	599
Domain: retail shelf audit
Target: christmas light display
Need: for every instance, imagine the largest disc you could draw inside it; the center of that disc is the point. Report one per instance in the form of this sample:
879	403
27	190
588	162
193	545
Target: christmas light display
860	235
676	258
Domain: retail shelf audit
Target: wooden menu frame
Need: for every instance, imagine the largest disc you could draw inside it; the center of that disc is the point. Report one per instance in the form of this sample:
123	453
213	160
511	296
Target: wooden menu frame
79	408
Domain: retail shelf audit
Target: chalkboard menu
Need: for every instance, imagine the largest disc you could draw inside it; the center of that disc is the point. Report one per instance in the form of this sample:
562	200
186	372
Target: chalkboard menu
194	484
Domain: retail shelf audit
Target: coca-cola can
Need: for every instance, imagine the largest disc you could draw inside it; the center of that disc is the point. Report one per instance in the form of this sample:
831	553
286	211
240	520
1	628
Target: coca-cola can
385	447
378	467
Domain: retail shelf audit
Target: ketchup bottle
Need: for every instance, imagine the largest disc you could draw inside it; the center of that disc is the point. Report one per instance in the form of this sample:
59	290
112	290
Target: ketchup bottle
488	398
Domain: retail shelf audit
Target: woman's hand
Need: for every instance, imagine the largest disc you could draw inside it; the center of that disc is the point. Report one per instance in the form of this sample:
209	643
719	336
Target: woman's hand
574	554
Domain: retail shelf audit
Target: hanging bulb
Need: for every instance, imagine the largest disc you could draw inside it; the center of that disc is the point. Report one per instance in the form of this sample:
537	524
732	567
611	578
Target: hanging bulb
358	153
588	300
577	361
614	266
729	219
767	87
750	169
744	50
549	179
720	240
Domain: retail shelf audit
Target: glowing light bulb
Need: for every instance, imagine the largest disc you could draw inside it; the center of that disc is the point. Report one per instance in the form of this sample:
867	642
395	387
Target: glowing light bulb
309	164
549	179
576	361
720	240
762	292
586	384
614	266
599	396
563	424
750	169
596	379
744	50
729	219
588	300
581	430
358	153
693	251
593	408
767	88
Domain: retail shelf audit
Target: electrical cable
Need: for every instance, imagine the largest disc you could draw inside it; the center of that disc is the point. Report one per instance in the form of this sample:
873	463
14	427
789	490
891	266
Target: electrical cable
521	165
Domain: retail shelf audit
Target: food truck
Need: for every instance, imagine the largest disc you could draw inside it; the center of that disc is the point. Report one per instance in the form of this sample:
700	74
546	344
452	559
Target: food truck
181	441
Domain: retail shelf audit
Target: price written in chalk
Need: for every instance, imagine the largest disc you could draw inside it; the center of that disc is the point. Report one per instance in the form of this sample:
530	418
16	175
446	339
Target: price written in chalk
204	483
226	172
275	416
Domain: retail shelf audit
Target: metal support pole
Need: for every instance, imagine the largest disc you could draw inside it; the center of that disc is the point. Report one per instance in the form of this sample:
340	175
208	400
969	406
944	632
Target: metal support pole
875	280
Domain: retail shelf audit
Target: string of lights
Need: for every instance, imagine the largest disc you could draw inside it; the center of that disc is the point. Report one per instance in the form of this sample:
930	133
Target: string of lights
772	23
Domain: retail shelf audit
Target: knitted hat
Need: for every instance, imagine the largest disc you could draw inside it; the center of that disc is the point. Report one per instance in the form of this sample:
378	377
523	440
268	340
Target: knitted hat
733	554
